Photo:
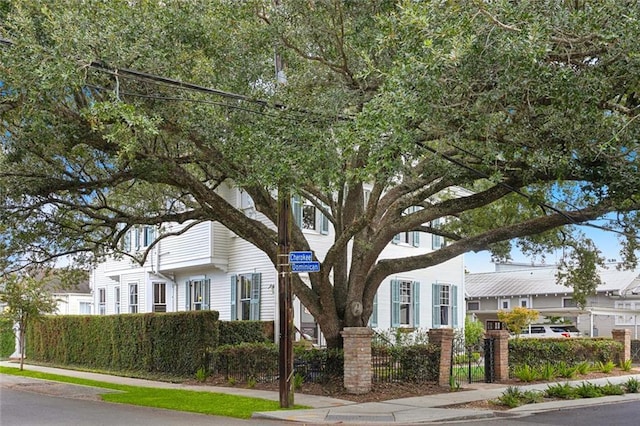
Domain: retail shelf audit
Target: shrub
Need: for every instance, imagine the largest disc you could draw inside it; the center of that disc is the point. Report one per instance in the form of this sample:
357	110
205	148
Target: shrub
632	385
604	367
7	338
174	344
466	358
562	391
202	374
626	365
611	389
583	368
526	373
566	371
588	390
511	397
547	372
247	360
573	351
237	332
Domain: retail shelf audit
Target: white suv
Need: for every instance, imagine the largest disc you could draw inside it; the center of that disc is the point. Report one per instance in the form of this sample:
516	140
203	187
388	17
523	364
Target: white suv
550	331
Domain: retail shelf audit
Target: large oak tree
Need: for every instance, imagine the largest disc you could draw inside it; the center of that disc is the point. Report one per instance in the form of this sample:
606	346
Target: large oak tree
117	113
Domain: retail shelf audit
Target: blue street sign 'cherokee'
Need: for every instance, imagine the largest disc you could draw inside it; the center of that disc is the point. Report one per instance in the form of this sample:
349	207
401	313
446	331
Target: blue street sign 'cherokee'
305	266
300	256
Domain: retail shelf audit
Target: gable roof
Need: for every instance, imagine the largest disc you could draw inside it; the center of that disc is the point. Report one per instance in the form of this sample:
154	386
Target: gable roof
542	280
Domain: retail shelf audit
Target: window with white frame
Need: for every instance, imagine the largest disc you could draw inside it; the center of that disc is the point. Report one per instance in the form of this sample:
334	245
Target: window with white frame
626	319
138	237
524	303
102	301
197	297
133	298
246	203
492	325
437	241
409	237
504	304
245	296
148	235
116	296
308	217
159	297
445	305
85	308
569	302
405	303
473	306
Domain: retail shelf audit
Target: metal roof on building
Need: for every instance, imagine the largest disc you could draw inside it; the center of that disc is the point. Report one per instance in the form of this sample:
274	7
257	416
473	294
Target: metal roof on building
540	280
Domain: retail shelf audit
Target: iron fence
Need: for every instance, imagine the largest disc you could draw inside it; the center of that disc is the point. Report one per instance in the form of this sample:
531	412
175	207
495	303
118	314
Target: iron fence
635	350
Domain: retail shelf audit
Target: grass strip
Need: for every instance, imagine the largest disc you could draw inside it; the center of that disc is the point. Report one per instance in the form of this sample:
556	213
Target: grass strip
211	403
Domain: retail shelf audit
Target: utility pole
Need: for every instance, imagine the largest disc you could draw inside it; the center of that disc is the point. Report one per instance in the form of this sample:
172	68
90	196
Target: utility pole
285	363
285	303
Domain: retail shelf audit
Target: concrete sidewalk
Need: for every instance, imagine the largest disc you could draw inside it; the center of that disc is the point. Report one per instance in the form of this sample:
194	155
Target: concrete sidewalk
421	409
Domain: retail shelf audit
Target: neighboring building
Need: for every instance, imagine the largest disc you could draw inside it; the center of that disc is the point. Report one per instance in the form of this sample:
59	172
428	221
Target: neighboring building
76	300
615	305
209	267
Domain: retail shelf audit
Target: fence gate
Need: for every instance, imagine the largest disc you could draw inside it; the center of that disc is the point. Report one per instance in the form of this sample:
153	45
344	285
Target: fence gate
469	361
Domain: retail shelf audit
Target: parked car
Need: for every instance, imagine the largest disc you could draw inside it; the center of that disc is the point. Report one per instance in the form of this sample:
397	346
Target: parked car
550	331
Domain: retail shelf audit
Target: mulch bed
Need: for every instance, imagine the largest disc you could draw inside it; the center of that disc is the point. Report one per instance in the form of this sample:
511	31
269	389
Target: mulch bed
388	391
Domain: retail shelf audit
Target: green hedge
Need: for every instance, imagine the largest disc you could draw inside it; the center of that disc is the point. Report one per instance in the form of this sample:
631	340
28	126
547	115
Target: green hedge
535	352
169	343
7	338
237	332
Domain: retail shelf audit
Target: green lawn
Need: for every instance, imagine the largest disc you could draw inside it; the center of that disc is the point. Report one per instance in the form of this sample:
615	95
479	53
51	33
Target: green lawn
217	404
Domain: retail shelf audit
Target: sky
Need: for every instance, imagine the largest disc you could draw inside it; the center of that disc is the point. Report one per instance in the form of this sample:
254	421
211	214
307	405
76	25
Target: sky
607	243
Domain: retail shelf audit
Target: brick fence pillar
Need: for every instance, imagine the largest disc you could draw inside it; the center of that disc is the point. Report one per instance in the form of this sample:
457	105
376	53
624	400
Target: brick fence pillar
623	336
357	359
501	354
443	337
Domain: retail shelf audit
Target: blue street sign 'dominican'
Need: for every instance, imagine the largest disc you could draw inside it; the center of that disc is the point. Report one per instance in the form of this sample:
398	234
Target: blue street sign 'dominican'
305	266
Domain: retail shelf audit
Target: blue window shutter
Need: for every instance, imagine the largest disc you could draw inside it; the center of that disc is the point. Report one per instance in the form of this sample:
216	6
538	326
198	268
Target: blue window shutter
324	224
149	235
373	320
206	300
254	305
415	239
415	290
296	208
187	295
395	303
234	298
436	305
126	244
454	305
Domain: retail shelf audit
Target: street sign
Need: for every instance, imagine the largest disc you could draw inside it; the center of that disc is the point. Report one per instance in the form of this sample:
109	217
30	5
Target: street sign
305	266
300	256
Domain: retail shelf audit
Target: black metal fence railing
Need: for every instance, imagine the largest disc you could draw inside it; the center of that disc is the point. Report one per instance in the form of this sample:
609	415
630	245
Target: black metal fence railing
390	363
635	350
419	363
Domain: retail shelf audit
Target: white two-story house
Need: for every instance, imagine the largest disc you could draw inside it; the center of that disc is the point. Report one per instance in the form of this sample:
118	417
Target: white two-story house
209	267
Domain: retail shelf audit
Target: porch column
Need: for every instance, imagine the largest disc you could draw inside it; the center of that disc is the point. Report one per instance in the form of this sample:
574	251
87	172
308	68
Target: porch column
443	337
17	353
501	354
357	359
623	336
